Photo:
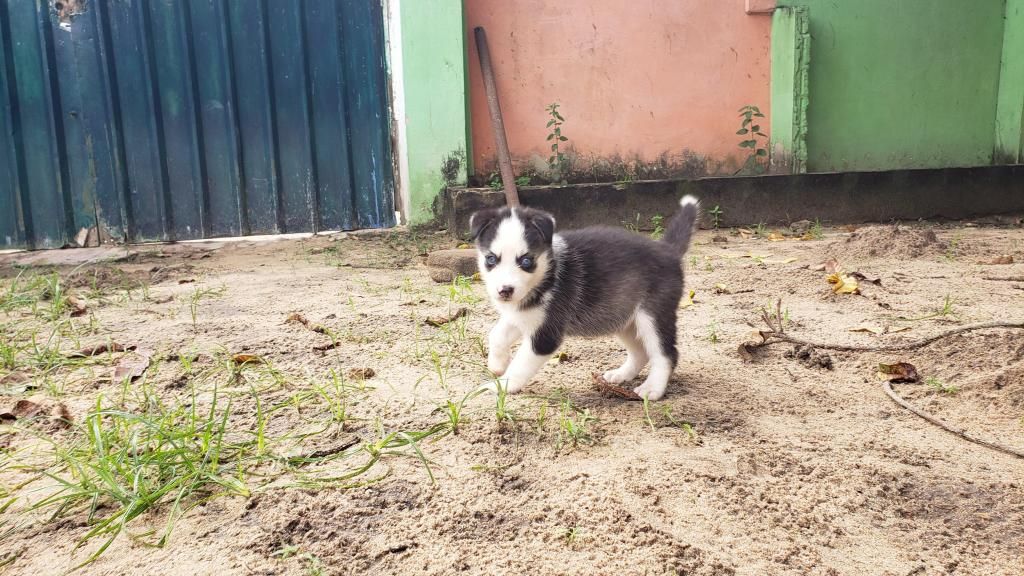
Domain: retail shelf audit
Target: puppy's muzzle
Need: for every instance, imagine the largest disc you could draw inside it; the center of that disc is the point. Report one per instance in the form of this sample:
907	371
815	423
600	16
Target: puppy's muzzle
506	292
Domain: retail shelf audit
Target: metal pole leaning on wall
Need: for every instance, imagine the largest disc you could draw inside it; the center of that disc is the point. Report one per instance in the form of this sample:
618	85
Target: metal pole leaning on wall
508	178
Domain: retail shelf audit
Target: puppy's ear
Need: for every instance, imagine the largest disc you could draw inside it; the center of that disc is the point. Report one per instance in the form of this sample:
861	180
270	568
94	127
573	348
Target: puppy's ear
480	221
541	224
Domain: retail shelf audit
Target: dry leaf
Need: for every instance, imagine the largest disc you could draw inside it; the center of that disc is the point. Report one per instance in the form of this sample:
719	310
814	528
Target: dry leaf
687	300
78	308
240	359
14	378
186	280
896	330
776	237
442	320
360	373
871	328
721	289
132	365
63	416
786	261
22	409
831	266
898	373
862	278
842	284
999	260
746	350
297	319
463	246
609	389
326	347
97	349
561	357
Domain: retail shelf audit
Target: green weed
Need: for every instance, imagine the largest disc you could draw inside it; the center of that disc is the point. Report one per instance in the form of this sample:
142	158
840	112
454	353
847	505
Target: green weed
573	425
198	295
716	216
816	232
124	463
713	333
657	222
953	248
940	386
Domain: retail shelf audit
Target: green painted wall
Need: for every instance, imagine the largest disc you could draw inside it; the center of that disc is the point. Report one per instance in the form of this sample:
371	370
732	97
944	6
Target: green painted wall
1010	111
789	82
910	83
434	76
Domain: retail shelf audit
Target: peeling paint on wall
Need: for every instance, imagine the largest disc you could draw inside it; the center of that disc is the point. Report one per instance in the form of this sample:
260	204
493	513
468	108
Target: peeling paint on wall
633	81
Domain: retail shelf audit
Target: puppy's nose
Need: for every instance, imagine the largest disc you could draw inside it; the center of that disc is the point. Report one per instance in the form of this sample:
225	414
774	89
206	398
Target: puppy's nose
506	292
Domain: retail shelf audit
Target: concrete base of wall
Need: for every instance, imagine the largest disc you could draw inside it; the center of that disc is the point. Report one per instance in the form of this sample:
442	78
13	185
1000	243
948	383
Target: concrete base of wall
844	198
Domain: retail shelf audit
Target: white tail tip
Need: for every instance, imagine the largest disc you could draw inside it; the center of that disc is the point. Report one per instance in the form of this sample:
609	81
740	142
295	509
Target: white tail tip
689	201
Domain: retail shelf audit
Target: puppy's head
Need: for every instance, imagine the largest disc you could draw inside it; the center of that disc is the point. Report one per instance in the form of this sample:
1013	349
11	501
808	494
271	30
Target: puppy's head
514	246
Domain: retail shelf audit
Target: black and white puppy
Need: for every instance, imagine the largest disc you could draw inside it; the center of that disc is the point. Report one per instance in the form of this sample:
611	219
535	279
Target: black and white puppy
588	282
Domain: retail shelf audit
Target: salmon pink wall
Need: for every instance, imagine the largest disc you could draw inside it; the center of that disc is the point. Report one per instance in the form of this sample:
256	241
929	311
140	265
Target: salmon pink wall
632	76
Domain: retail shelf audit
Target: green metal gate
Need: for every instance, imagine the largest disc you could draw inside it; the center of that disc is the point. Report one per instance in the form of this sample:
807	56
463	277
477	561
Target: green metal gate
182	119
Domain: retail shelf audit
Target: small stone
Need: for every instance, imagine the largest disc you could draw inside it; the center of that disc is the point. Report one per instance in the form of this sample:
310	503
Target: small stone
445	265
801	227
720	239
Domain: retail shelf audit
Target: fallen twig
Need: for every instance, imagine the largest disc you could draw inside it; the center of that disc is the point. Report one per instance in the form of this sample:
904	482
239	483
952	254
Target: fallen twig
887	386
776	333
775	337
609	389
441	321
1004	278
334	449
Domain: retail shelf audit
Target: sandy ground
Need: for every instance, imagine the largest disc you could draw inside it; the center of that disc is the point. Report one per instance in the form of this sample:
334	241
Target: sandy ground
789	469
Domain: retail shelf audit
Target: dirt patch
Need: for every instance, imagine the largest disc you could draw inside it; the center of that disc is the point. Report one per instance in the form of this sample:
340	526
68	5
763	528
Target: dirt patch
105	277
890	242
772	466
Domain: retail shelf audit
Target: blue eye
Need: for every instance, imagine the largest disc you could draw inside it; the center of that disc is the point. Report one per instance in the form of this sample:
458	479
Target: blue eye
491	260
526	262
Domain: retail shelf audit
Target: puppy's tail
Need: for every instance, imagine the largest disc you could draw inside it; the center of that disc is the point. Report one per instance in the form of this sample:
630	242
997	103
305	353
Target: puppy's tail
682	225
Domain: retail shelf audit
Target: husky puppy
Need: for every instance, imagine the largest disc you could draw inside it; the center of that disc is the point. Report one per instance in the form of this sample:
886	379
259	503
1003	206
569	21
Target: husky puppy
588	282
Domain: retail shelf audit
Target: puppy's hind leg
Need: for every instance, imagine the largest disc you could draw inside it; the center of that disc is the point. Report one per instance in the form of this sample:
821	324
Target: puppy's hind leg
636	356
659	340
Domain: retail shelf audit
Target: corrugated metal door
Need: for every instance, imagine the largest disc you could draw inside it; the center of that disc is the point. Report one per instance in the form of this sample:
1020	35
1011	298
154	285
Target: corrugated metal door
184	119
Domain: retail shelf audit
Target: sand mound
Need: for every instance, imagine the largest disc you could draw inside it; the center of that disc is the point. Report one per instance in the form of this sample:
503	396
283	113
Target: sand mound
888	241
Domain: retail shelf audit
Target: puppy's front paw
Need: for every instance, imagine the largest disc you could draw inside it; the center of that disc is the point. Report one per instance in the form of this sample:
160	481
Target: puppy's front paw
496	384
493	385
650	391
498	363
